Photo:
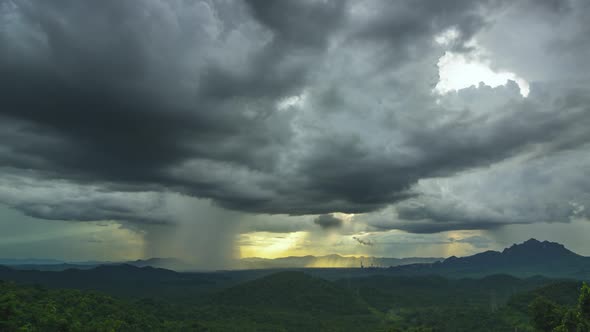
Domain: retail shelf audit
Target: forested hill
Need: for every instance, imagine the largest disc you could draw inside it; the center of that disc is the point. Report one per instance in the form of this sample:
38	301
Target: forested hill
124	280
295	301
28	308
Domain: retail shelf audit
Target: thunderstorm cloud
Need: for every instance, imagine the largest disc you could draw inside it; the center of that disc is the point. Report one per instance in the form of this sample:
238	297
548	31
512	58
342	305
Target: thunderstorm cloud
296	109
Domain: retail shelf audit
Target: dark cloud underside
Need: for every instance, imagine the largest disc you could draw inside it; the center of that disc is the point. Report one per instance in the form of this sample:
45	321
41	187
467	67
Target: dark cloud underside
140	98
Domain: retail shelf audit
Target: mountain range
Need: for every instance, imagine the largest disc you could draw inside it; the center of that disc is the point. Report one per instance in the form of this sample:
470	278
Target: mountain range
482	292
242	264
529	258
526	259
330	261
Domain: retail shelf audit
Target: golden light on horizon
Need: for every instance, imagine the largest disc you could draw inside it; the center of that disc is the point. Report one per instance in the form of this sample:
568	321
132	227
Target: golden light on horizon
272	245
454	248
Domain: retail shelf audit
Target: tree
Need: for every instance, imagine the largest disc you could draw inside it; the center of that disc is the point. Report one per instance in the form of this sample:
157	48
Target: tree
584	309
546	315
573	320
569	322
584	302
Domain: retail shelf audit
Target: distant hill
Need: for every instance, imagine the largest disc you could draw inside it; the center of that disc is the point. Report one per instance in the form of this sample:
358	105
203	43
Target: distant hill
244	263
102	274
164	263
529	252
57	265
54	267
121	279
29	261
329	261
529	258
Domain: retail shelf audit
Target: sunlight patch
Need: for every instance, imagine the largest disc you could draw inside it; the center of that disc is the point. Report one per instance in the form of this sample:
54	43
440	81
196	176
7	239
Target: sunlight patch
270	245
457	71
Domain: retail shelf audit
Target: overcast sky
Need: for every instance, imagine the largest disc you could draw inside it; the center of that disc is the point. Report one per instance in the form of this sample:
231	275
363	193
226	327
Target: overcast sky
210	130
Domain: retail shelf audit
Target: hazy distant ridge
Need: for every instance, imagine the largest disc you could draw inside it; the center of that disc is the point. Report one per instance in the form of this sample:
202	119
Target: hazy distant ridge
330	261
525	259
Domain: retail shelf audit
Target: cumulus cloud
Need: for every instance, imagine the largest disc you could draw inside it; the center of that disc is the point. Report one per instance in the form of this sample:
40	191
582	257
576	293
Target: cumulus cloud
109	105
544	189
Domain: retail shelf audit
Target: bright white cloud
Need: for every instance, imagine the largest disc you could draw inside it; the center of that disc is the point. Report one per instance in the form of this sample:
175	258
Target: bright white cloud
446	37
458	71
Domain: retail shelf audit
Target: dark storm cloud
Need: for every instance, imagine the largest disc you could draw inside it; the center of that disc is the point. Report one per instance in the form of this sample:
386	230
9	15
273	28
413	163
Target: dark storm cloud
300	23
94	209
48	199
132	97
417	221
328	221
408	26
436	226
121	110
103	103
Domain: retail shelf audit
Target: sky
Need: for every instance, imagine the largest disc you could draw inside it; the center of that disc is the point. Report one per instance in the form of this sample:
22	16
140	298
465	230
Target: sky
214	130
